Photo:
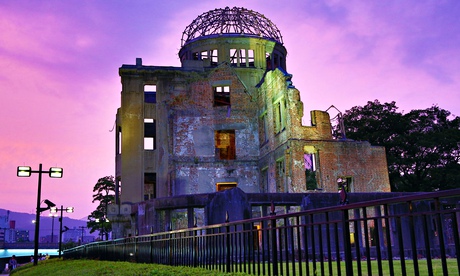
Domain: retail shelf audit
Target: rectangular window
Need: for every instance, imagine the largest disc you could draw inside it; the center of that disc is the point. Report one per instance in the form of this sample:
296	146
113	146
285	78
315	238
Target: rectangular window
264	180
150	94
345	181
269	62
214	57
242	58
119	140
149	134
233	57
225	144
263	128
150	185
204	55
279	116
225	186
251	58
221	95
280	173
310	174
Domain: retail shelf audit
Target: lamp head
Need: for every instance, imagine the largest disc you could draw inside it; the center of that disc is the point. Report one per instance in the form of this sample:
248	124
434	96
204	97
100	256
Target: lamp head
49	203
55	172
24	171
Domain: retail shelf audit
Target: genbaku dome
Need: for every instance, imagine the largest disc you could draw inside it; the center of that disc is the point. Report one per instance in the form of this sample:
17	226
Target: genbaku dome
222	135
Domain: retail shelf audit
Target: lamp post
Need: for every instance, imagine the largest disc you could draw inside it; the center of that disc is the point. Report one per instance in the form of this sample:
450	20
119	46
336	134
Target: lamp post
25	171
62	209
82	233
52	215
102	232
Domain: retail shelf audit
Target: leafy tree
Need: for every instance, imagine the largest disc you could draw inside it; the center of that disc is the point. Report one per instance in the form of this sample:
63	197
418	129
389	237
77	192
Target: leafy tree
422	146
104	193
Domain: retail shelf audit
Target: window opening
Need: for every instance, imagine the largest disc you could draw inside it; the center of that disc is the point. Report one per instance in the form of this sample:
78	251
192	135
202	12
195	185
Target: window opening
150	95
345	181
149	134
221	95
264	180
225	144
275	61
242	57
268	61
225	186
214	57
310	171
233	57
279	117
119	141
149	186
280	173
204	55
251	58
263	135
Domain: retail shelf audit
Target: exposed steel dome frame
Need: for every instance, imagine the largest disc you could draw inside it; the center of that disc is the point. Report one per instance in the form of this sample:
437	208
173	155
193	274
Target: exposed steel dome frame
237	20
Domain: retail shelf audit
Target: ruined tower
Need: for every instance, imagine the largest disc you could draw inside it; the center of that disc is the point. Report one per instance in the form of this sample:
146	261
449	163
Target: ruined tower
230	116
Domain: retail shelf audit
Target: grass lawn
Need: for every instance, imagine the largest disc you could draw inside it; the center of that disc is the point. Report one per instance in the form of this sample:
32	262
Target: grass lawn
93	267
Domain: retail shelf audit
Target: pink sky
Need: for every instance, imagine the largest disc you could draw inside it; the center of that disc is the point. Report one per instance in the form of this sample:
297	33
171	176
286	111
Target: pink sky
60	87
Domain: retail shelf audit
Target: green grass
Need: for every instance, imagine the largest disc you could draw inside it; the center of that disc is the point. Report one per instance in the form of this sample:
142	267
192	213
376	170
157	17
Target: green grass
422	266
94	268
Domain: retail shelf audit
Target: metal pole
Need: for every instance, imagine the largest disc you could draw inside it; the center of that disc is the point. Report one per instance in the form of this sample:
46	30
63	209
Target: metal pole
37	215
52	229
60	232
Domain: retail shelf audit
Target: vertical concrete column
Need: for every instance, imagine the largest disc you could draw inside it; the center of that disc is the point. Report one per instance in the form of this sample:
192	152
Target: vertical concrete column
132	139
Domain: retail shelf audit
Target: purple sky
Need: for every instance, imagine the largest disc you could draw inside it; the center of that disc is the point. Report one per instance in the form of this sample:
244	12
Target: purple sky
60	87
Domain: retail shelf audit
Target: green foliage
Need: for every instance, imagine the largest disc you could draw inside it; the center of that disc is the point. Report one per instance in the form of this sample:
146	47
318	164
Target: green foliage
104	193
94	267
422	146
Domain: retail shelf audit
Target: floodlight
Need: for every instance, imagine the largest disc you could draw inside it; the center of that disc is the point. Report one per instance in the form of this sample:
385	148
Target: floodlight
24	171
56	172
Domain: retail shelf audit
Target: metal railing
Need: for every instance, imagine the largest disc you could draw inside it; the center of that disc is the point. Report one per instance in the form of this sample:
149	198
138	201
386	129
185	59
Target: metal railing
397	236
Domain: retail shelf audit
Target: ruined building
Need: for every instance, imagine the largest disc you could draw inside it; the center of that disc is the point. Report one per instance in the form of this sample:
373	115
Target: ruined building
230	116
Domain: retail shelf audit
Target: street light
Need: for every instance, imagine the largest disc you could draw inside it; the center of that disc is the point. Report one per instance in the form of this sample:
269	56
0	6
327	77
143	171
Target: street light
52	215
54	172
82	233
102	231
62	209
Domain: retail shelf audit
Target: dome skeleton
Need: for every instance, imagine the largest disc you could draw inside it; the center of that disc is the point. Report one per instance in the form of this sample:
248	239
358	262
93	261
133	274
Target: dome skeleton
231	21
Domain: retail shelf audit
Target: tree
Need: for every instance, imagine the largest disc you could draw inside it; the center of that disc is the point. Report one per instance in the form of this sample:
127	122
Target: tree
422	146
104	194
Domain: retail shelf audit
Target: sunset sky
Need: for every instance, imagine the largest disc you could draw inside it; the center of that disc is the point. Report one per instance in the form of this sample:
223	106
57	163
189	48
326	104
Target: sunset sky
60	88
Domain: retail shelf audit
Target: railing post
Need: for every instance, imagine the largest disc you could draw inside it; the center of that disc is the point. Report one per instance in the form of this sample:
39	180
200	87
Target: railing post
195	245
346	241
274	247
227	244
442	247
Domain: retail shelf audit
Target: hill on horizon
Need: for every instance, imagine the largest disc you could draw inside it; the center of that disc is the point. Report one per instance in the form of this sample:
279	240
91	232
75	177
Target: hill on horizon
23	221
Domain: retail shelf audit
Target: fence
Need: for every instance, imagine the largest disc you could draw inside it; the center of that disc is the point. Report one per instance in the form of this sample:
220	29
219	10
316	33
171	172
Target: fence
397	236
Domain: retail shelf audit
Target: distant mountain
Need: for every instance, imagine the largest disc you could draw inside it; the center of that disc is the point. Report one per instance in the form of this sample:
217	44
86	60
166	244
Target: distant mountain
23	221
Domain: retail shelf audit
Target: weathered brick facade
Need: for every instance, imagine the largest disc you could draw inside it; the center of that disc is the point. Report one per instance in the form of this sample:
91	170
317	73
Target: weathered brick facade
230	116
